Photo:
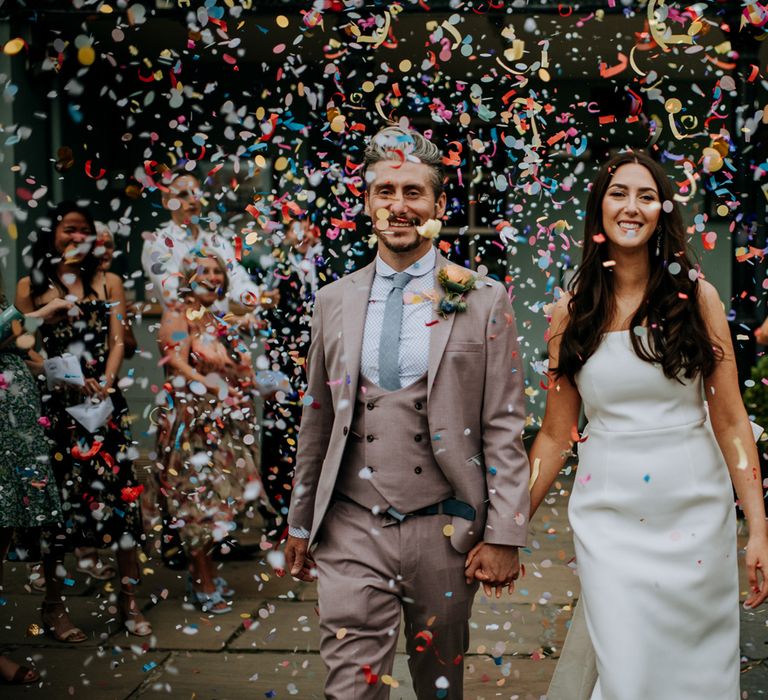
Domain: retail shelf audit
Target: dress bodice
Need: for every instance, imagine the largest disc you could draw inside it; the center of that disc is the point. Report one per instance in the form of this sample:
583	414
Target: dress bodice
623	393
85	337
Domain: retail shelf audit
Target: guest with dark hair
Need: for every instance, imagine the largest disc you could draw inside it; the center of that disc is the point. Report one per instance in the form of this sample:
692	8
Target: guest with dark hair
642	340
92	464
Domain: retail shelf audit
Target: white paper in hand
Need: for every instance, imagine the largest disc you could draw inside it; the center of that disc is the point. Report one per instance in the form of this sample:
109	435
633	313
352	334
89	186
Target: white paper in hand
92	415
64	369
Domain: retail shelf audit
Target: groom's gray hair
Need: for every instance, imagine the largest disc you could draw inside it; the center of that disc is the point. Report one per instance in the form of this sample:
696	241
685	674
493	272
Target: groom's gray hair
411	146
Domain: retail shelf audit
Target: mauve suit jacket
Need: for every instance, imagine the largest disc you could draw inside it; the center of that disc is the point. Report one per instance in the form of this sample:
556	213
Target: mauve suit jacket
475	407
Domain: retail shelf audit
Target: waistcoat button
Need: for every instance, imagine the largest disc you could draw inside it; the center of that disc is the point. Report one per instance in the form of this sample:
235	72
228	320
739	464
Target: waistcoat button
417	438
370	405
417	470
370	438
345	430
418	405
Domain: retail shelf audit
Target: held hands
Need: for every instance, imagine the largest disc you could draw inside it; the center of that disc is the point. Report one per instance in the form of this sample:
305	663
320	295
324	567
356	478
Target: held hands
494	565
757	571
298	560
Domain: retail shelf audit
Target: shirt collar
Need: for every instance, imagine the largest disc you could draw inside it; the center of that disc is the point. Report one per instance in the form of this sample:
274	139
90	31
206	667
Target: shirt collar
423	266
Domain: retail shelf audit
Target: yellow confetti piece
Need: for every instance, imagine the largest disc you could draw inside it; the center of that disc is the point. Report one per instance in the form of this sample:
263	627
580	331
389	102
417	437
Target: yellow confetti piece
281	21
106	9
405	65
86	55
448	530
13	47
338	123
340	634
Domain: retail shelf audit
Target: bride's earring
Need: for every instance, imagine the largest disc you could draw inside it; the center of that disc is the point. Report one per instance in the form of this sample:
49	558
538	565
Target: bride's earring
658	240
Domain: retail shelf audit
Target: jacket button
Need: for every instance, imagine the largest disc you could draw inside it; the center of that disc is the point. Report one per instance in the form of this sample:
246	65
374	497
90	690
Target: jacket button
417	470
417	438
370	405
370	438
345	430
417	405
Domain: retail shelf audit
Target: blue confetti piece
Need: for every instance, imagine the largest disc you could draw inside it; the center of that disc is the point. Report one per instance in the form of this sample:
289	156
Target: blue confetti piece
69	582
647	478
149	666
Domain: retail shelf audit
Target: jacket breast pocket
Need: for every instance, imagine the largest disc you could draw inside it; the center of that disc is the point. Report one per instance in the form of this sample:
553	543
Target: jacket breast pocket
464	346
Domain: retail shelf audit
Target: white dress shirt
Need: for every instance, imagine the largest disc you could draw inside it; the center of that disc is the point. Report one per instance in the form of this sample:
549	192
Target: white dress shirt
417	313
164	252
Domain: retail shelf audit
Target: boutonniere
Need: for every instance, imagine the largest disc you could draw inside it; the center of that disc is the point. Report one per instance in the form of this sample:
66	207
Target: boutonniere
457	282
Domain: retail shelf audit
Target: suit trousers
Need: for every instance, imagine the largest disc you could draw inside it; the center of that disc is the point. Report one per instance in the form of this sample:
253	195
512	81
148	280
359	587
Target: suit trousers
576	672
371	568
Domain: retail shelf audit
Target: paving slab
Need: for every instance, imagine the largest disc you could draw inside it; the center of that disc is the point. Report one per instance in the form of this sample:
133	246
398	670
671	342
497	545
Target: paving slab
21	619
234	676
179	625
92	674
754	633
231	676
501	626
754	681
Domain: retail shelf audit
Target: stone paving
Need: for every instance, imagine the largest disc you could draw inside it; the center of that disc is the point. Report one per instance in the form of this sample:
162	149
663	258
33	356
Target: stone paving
268	646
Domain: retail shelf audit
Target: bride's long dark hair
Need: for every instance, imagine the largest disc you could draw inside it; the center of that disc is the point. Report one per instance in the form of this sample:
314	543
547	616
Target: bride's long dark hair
677	336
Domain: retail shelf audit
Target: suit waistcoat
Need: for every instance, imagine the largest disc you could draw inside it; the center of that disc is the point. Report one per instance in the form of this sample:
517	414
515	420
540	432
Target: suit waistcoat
389	458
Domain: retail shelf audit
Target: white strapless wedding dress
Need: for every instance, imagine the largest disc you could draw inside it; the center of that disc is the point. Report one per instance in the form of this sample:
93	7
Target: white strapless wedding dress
655	533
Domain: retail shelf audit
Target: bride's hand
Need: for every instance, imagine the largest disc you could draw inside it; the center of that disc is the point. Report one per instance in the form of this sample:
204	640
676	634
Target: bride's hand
757	571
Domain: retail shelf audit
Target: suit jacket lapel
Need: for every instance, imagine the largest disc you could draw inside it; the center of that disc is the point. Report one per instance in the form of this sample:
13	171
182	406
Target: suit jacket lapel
355	307
440	331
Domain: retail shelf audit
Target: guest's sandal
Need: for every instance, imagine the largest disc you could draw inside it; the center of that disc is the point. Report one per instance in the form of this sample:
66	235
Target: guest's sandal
224	588
138	628
96	568
213	603
51	614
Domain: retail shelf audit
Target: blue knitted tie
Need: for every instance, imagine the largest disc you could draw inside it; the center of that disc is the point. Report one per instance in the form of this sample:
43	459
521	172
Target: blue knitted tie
389	345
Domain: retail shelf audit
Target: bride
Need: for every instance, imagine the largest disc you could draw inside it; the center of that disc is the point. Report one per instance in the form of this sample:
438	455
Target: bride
641	340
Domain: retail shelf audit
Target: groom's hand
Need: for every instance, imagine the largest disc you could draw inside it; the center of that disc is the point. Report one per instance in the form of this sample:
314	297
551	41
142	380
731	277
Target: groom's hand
298	561
494	565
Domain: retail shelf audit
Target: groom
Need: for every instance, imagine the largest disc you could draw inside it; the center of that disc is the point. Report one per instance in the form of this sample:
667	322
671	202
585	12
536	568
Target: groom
410	448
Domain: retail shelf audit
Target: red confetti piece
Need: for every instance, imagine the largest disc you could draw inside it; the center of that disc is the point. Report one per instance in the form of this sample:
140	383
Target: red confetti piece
130	493
89	172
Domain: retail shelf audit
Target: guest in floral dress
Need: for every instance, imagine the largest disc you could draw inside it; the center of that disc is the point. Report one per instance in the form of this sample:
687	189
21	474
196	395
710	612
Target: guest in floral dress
208	437
29	498
93	469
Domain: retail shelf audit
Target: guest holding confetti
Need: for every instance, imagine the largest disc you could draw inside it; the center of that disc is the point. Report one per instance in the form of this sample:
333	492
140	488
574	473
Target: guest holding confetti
91	458
641	340
208	435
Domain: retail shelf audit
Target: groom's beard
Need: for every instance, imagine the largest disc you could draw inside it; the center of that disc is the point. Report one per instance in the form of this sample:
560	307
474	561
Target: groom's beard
400	246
